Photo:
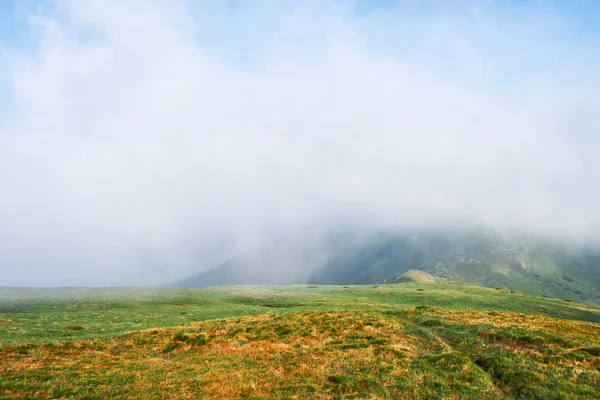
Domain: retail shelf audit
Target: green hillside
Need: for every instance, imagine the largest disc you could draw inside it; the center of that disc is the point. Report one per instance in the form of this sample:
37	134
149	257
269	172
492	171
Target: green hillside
533	266
416	276
410	340
520	263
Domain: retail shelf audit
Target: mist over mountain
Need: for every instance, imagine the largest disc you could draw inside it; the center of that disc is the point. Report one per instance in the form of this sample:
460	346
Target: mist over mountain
519	262
142	141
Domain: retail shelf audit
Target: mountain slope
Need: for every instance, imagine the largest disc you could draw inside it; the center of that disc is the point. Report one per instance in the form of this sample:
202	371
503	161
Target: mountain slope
255	268
286	261
519	263
527	265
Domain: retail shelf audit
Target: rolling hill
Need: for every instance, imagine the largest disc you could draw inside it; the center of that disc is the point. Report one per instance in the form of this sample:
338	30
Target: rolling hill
521	263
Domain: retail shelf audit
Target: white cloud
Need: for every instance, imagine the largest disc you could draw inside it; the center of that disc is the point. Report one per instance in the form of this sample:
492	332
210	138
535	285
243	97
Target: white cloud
146	130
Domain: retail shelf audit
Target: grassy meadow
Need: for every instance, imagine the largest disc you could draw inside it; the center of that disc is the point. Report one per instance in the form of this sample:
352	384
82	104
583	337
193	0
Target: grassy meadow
410	340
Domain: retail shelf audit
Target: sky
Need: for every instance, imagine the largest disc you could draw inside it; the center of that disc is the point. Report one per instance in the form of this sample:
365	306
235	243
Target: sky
141	140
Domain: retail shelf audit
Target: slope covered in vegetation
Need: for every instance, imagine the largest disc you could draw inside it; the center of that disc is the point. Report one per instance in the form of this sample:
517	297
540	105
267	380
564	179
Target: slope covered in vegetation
411	340
521	263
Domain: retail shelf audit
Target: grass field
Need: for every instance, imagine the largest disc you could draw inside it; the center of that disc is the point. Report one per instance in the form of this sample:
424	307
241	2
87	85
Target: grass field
410	340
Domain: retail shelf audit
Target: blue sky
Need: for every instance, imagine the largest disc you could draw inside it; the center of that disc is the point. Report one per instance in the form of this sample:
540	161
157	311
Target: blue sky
241	39
584	15
12	27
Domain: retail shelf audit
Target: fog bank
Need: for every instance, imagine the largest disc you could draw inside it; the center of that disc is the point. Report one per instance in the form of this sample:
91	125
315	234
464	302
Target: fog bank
144	140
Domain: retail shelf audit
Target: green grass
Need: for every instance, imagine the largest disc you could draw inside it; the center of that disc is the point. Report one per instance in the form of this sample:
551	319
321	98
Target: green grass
411	340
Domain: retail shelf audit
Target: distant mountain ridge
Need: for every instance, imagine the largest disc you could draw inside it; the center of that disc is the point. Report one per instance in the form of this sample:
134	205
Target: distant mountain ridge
519	263
287	261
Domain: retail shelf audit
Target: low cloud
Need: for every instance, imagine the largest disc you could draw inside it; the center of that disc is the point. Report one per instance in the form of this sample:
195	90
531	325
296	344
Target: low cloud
149	139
